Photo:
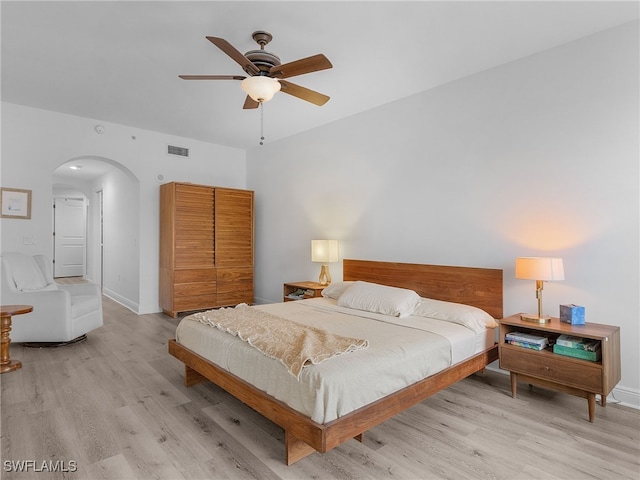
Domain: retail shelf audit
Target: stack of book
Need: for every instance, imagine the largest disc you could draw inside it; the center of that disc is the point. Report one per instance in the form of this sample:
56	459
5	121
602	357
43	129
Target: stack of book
578	347
527	340
297	295
301	294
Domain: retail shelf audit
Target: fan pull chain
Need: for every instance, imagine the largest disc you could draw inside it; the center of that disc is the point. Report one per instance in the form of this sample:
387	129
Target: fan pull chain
261	124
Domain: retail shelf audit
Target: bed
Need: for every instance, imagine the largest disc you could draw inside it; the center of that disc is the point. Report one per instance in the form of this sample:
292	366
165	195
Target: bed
320	423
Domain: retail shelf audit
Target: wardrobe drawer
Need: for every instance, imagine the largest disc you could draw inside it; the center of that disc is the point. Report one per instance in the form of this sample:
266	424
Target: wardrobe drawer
194	275
194	302
194	289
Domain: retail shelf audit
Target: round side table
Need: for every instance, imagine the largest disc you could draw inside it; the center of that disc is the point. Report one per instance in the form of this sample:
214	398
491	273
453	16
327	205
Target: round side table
7	311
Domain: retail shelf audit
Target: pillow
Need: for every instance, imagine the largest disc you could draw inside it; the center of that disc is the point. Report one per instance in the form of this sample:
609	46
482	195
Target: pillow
471	317
371	297
45	267
336	289
26	272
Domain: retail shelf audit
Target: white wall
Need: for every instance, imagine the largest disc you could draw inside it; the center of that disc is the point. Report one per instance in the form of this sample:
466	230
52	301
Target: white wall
35	142
536	157
120	271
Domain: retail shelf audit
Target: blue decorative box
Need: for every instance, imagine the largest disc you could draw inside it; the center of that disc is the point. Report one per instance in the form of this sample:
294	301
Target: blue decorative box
573	314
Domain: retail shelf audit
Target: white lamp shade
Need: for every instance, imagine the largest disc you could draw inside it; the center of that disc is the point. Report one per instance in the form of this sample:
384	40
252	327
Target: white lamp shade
539	268
324	251
260	88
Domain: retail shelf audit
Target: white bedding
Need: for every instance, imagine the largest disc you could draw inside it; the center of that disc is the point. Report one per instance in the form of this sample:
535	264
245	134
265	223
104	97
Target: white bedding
401	352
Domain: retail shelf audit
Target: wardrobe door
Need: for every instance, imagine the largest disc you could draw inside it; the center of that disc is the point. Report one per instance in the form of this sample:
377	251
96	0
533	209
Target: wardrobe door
195	226
234	246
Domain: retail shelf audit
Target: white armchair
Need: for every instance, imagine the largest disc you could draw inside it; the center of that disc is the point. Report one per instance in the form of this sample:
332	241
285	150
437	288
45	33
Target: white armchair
61	313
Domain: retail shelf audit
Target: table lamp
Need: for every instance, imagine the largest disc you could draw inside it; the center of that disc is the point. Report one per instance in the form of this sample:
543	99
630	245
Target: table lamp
540	269
324	251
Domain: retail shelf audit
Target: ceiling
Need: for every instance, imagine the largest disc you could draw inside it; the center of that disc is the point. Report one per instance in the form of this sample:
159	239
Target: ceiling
119	61
84	169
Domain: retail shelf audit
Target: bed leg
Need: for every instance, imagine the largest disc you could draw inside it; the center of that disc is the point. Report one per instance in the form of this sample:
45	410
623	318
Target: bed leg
295	449
360	437
191	377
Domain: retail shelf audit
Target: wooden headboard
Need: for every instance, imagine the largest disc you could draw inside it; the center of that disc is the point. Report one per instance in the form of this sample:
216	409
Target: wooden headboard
480	287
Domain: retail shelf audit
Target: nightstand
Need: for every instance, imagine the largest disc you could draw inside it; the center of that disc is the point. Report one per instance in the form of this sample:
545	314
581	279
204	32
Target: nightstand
311	290
575	376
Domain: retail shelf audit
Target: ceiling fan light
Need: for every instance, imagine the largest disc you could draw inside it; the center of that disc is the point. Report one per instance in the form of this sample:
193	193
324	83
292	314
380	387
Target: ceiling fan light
260	88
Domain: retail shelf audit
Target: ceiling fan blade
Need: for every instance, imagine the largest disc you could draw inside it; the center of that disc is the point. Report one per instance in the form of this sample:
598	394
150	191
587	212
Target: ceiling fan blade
303	93
246	64
212	77
250	103
299	67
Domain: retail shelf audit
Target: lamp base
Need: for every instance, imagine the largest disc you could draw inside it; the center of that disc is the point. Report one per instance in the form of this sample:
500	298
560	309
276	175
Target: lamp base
533	318
325	276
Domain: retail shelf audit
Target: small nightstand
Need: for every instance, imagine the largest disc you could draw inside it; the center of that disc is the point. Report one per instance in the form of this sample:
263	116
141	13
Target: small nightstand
575	376
311	290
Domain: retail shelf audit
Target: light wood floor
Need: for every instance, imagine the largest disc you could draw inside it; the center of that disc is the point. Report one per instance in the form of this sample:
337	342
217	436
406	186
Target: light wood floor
115	407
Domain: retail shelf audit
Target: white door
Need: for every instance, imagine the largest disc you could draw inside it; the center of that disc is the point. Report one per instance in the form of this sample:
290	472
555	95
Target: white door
69	237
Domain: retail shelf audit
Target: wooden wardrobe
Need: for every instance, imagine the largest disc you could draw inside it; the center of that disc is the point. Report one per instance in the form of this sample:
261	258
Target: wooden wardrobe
206	247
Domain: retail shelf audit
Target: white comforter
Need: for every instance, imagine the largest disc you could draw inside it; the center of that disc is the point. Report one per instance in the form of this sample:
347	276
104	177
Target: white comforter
401	351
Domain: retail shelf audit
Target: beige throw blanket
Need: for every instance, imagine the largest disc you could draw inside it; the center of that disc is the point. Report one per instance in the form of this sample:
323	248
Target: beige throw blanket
293	344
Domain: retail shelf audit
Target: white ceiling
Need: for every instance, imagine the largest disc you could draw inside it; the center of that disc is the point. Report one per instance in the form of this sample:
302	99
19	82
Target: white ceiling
119	61
84	169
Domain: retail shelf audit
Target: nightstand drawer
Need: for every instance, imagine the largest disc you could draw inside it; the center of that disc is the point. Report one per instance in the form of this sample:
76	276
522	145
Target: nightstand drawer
552	367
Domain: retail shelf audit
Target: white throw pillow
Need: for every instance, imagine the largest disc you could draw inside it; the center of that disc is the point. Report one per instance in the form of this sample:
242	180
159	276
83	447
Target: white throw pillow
26	272
371	297
471	317
336	289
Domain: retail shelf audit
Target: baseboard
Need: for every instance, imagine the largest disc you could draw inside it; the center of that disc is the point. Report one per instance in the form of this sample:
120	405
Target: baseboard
625	396
261	301
125	302
619	395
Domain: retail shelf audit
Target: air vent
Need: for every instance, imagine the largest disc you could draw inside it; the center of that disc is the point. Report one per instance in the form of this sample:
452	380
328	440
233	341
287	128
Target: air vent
180	151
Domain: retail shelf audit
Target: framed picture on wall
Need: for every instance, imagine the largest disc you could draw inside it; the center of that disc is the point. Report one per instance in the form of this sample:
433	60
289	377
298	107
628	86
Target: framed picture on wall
15	203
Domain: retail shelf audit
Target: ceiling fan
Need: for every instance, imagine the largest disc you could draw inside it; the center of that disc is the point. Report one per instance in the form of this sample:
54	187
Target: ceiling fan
266	73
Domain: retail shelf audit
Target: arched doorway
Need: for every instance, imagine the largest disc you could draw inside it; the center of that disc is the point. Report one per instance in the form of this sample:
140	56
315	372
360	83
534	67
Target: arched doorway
110	196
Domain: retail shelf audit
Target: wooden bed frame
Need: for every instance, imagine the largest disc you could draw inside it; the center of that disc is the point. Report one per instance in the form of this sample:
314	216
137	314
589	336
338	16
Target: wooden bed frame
479	287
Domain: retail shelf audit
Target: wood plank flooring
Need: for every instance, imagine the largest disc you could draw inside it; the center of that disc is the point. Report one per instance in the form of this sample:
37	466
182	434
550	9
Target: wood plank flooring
114	407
